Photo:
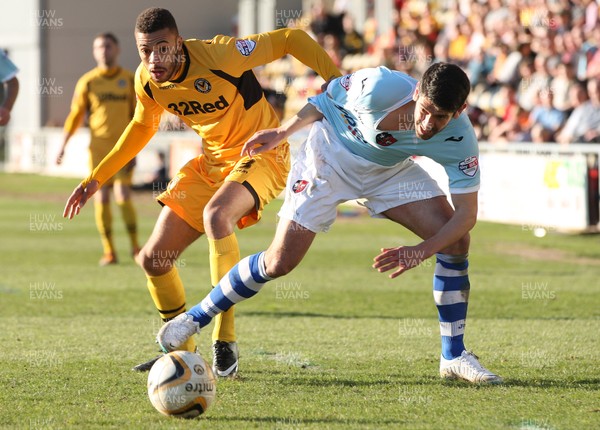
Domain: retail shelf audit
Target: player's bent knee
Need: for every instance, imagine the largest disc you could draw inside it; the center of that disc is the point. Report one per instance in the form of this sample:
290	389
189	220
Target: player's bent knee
155	263
216	217
139	259
460	247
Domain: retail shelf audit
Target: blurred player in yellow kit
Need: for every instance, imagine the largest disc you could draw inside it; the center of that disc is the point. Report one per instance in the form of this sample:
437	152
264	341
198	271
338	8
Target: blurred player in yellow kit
106	94
210	85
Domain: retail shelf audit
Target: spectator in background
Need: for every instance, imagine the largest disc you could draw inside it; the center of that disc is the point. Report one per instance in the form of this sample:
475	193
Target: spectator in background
370	29
524	92
508	123
161	175
458	37
277	100
583	124
385	45
497	17
331	45
531	83
159	180
475	52
593	65
545	119
479	119
428	27
10	86
324	22
414	53
561	85
477	39
577	96
571	43
591	15
586	49
478	67
352	42
506	65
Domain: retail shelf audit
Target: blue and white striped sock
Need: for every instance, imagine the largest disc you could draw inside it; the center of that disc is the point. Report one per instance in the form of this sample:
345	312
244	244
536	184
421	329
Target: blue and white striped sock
243	281
451	294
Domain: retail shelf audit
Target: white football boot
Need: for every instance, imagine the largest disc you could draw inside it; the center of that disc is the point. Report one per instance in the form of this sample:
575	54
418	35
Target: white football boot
176	331
468	368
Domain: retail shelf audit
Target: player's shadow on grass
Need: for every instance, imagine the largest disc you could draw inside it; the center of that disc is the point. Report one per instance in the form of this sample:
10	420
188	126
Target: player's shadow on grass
319	379
289	422
279	314
588	384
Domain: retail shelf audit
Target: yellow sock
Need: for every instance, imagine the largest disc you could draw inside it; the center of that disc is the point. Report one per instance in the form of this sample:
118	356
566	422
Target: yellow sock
169	298
129	216
103	217
224	254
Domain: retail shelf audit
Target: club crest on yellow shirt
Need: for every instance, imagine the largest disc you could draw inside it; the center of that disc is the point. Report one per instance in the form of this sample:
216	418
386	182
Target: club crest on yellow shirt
202	85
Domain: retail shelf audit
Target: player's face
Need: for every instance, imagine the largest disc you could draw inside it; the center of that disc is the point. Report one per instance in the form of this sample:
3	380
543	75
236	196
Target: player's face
161	53
105	52
430	120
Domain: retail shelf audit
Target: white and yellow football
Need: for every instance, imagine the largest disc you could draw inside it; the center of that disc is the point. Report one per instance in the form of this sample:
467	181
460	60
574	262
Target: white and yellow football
181	384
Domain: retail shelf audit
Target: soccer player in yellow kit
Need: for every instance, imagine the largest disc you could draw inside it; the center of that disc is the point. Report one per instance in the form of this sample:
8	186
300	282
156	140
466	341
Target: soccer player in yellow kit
106	94
210	85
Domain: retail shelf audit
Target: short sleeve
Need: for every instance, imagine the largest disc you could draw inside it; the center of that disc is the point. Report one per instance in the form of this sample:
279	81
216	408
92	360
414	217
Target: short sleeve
7	69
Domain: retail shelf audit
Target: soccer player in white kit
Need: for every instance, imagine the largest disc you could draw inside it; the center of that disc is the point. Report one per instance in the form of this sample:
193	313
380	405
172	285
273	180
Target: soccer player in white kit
366	127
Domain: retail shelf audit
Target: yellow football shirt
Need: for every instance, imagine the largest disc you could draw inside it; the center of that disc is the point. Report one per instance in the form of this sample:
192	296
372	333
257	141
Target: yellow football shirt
216	94
108	97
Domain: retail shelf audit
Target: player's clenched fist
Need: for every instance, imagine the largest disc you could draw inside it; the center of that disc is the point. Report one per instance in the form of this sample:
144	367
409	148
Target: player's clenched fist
78	198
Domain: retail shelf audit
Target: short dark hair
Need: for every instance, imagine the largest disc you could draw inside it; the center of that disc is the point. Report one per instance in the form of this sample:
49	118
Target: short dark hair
155	19
108	36
446	86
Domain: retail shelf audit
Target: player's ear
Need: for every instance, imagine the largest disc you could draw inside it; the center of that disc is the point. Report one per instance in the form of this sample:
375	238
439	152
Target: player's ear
179	42
416	93
459	111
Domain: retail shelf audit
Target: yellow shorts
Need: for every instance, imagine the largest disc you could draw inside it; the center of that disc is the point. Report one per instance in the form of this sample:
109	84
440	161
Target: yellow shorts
194	185
99	148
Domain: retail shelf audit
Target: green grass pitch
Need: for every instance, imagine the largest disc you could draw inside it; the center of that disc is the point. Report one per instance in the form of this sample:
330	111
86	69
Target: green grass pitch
334	345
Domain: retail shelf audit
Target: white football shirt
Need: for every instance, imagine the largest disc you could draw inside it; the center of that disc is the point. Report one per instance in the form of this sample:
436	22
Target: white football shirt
355	104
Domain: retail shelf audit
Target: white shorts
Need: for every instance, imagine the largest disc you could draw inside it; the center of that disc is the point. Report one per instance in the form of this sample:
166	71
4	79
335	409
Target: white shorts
325	174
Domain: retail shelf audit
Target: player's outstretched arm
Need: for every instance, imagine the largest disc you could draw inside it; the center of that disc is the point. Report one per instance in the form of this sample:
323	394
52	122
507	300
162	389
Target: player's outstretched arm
265	140
131	142
404	258
272	45
304	48
79	108
79	197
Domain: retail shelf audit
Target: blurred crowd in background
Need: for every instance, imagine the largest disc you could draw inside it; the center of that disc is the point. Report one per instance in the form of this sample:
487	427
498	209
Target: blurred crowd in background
534	65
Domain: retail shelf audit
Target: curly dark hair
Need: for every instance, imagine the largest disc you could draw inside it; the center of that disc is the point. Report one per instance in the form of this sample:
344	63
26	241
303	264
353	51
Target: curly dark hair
155	19
446	85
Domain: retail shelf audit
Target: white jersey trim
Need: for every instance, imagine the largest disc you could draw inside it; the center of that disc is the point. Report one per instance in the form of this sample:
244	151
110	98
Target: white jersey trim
468	190
10	76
